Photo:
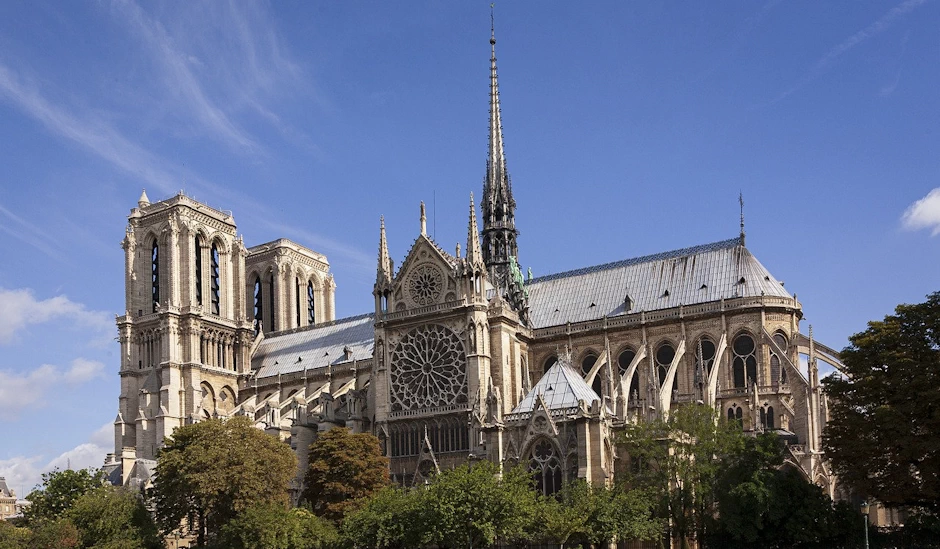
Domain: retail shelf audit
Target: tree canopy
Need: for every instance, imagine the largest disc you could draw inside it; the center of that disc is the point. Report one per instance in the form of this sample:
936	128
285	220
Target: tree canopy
343	468
883	434
59	491
211	471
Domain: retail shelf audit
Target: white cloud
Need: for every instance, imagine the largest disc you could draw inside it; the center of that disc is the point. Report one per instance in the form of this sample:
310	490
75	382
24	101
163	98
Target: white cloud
23	473
924	214
19	309
22	391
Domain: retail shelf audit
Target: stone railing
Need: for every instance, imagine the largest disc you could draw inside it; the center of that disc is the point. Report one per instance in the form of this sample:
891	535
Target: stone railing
447	305
430	411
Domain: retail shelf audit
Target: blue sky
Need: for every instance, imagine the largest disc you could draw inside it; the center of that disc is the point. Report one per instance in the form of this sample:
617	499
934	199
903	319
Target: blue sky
630	129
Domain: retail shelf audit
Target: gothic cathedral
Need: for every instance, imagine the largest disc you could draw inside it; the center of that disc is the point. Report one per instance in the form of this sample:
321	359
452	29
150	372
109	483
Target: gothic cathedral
464	357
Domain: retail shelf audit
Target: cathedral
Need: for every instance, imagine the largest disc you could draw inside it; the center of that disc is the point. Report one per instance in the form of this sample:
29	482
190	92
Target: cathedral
463	357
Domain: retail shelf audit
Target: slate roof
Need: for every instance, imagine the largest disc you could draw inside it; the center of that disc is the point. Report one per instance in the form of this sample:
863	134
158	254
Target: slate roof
314	347
5	491
561	387
699	274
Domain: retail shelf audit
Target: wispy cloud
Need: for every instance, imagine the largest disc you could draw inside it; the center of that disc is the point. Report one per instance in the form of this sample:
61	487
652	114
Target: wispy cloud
924	214
180	78
23	473
19	309
29	233
93	134
20	392
831	56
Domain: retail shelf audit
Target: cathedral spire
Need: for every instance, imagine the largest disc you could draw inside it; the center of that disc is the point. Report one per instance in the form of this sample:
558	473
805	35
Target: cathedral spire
741	203
498	205
474	255
384	270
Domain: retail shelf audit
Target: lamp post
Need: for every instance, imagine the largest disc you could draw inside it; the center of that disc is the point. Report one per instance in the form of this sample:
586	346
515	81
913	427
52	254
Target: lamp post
865	512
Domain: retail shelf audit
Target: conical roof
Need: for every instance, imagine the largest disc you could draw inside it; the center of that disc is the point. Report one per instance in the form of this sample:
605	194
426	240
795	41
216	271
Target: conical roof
561	387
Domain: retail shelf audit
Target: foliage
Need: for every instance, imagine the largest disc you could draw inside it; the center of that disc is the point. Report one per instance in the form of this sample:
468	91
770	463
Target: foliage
273	526
58	493
12	537
883	435
760	505
53	534
211	471
472	506
114	517
391	518
679	461
596	515
344	468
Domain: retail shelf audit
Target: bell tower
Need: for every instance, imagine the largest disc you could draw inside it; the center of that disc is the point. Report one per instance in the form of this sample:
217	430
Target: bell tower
185	336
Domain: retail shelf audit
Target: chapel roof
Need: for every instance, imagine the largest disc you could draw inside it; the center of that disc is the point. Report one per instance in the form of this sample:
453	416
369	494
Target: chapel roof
315	346
561	387
5	491
700	274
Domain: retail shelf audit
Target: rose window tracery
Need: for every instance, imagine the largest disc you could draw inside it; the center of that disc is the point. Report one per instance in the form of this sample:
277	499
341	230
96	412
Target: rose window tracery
425	284
428	369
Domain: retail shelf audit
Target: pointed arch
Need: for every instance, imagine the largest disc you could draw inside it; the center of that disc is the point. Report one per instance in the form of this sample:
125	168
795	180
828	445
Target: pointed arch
545	465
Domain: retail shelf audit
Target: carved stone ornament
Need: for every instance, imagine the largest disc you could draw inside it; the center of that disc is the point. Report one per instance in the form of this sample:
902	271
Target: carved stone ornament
428	369
425	284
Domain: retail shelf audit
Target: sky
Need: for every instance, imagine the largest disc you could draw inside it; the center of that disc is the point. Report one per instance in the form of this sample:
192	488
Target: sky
630	128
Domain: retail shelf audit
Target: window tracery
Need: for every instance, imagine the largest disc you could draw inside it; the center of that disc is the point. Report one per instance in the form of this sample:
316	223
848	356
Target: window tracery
744	367
545	467
664	357
428	369
216	284
425	284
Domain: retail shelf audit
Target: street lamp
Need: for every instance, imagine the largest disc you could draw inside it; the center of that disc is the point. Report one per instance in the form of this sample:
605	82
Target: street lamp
865	512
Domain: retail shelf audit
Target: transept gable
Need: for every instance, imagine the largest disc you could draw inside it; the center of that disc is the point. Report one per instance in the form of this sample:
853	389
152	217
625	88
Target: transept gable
426	277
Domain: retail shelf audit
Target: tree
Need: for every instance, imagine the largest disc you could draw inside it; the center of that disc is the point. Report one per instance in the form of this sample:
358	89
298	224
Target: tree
883	434
344	468
12	537
472	506
597	515
211	471
273	526
762	505
59	491
53	534
392	518
114	517
679	460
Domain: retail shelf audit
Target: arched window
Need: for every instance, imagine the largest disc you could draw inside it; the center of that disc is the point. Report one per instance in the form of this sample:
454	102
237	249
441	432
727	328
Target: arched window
310	305
664	356
155	274
775	373
705	356
549	362
297	290
259	305
271	314
624	360
545	467
216	285
587	363
744	367
735	414
770	418
197	258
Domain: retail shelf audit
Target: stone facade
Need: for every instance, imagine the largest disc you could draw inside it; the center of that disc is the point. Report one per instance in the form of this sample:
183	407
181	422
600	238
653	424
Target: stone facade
462	358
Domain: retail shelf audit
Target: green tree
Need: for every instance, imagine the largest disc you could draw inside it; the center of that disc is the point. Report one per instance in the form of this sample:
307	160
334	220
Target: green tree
12	537
883	434
53	534
211	471
762	505
273	526
473	506
58	493
679	460
344	468
392	518
111	516
597	515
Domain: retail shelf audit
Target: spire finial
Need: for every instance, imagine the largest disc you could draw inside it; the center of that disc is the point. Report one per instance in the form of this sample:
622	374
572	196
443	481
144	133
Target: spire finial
741	203
474	255
384	271
424	221
493	24
143	200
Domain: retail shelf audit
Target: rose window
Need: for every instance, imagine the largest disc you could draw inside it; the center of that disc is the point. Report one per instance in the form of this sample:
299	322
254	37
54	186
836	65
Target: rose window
425	284
428	370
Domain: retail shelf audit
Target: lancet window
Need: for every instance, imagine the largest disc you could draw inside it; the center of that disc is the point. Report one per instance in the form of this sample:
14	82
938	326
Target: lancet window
545	467
587	363
744	366
259	305
447	434
216	283
664	356
155	274
775	361
767	418
310	304
297	290
197	259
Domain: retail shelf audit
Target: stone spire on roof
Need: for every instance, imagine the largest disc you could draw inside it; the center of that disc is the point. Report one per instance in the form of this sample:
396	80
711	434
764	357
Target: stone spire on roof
741	203
474	255
498	205
384	270
143	200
